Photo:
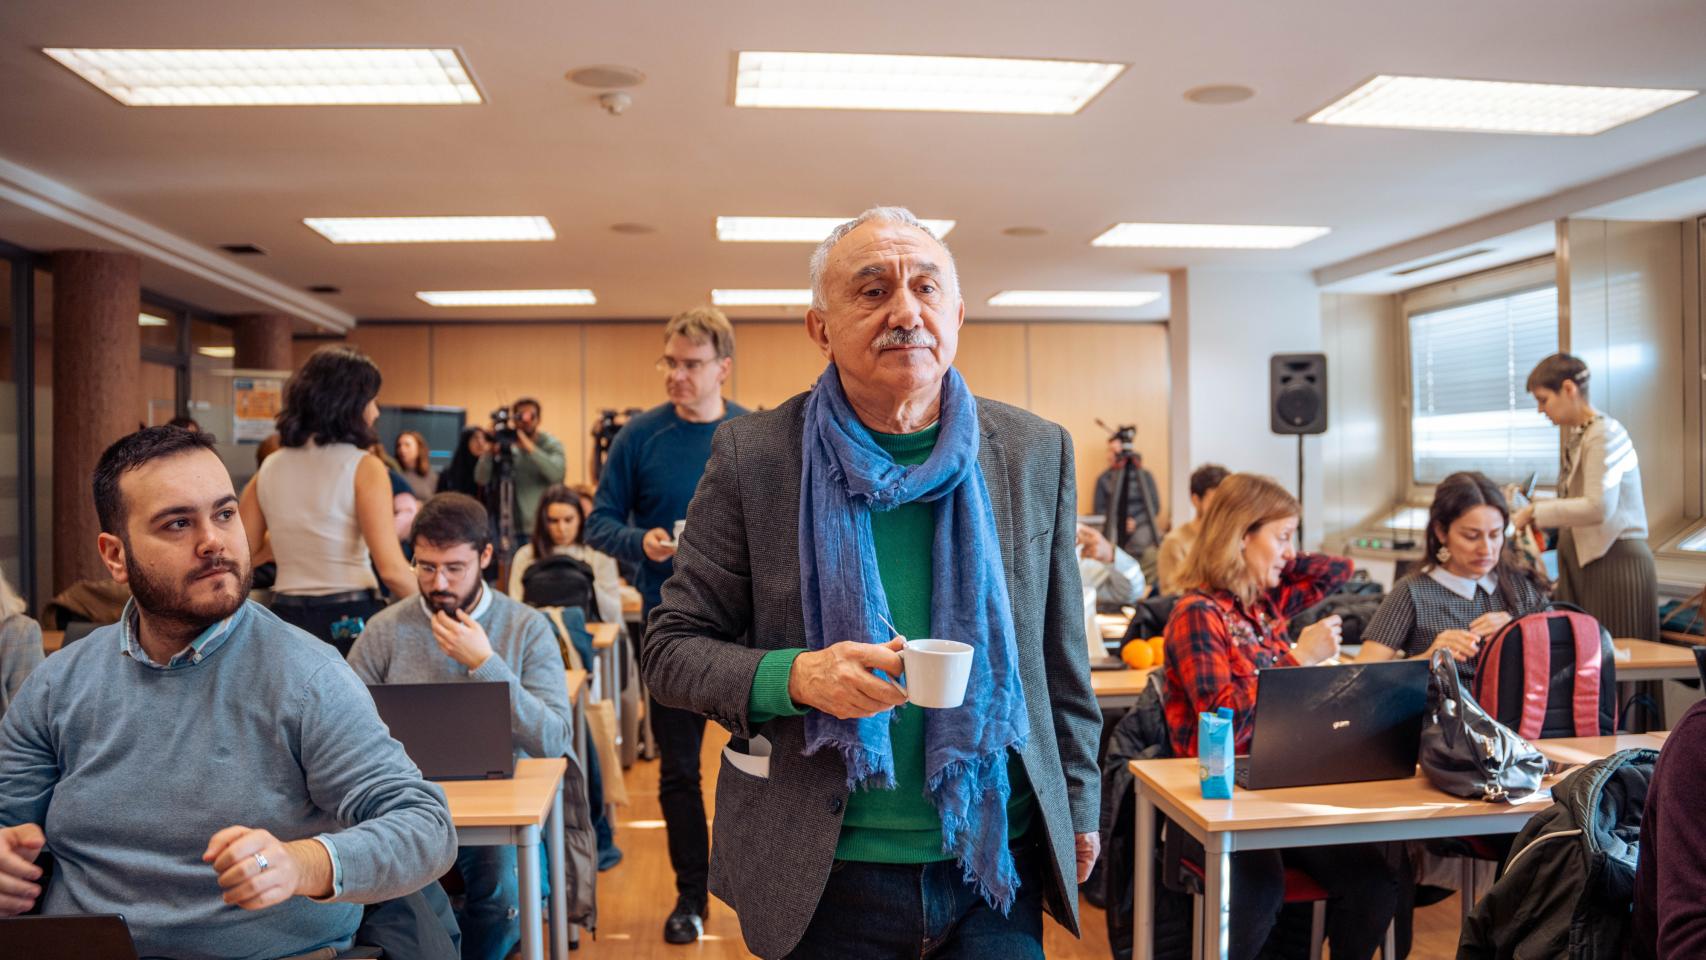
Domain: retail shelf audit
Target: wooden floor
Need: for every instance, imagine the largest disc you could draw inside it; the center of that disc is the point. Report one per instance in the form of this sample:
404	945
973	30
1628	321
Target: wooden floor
634	898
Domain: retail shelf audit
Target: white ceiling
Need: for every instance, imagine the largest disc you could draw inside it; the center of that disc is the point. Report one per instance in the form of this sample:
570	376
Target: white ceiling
682	155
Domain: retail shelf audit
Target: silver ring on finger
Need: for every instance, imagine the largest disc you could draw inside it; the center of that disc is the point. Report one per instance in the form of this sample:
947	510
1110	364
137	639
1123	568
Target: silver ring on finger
261	861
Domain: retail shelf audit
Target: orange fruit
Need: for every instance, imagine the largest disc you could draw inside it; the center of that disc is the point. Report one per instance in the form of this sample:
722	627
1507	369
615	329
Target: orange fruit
1138	655
1158	648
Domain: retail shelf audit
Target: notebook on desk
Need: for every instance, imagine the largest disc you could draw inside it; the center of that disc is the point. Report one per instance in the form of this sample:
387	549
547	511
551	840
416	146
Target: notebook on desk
91	937
1338	724
452	731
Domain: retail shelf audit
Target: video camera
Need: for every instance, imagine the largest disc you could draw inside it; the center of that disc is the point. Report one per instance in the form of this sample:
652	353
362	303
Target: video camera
1125	433
503	429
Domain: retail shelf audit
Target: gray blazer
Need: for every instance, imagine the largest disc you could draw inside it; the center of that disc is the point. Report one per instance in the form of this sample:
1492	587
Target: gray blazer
735	594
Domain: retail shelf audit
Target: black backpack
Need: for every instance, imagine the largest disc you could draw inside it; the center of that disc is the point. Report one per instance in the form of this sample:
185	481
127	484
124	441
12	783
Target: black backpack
560	581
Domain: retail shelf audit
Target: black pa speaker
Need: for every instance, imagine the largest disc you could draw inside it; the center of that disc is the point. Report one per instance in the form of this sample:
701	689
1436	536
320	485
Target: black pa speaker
1297	392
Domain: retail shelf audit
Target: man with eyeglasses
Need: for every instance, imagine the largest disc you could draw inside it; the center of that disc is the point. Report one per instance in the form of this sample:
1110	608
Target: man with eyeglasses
459	630
654	466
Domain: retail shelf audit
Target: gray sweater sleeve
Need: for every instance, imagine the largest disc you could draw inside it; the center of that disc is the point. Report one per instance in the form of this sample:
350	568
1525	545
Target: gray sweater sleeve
538	692
28	761
397	834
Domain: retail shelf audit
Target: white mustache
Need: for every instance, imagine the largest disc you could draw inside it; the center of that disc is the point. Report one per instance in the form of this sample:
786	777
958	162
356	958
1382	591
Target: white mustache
905	337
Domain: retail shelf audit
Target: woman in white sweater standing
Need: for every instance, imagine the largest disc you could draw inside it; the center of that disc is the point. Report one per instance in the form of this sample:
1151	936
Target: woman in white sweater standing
561	522
1604	564
20	644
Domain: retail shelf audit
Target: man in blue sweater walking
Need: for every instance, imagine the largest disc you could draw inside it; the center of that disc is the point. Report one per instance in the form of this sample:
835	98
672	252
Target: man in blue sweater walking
216	775
653	469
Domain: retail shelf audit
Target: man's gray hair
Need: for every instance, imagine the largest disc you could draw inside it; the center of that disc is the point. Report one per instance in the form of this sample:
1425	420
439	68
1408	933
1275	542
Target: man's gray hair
820	256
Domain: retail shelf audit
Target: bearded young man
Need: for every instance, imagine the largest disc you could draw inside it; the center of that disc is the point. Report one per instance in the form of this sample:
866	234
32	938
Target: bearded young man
202	755
459	630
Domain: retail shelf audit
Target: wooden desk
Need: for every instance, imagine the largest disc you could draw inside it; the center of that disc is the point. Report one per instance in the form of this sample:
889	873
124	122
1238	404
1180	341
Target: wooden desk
1385	810
1118	688
490	813
603	634
607	676
52	640
1647	667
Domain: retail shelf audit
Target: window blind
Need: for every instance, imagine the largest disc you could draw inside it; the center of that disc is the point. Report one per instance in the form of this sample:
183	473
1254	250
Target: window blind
1469	411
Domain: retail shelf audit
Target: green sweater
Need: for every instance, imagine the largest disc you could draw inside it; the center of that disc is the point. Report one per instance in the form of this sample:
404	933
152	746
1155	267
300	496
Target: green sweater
899	825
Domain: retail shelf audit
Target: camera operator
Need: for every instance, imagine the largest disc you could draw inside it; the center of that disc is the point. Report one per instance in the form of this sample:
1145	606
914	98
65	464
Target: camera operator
654	467
1142	534
539	461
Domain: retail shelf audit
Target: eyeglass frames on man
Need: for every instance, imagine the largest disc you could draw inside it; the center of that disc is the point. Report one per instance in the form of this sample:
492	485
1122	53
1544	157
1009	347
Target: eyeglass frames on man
692	367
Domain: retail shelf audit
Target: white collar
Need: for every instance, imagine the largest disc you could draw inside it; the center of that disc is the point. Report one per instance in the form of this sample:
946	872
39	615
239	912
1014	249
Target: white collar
480	606
1463	586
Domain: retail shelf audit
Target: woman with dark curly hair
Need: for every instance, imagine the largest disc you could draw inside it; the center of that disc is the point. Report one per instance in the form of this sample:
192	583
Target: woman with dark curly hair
325	502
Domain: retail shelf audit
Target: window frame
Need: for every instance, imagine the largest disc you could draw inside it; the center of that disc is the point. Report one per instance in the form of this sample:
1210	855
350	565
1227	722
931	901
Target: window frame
1493	284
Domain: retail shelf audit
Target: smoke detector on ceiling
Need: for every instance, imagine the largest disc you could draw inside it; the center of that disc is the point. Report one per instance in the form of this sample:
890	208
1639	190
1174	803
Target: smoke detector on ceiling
615	102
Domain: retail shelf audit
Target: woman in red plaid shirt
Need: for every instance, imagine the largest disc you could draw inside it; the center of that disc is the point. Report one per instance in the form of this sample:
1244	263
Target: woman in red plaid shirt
1248	580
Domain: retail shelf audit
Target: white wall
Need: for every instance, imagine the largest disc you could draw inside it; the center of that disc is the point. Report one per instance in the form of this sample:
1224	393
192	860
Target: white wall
1363	464
1226	324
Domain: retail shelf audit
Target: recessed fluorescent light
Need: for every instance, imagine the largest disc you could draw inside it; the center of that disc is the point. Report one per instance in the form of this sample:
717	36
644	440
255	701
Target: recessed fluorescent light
430	229
1073	298
859	81
508	298
150	320
267	78
797	229
218	353
1493	106
1207	235
761	298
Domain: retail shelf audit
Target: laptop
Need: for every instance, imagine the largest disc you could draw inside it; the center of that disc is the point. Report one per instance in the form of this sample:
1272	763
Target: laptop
91	937
1337	724
452	731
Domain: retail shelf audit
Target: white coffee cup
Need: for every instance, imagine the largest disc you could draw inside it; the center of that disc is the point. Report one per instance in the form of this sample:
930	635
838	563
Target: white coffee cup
936	672
680	525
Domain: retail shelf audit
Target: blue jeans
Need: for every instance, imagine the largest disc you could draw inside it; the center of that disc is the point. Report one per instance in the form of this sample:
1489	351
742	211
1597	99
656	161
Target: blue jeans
490	916
871	910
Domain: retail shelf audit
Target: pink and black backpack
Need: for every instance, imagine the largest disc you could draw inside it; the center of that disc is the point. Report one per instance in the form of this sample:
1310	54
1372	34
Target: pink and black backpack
1550	673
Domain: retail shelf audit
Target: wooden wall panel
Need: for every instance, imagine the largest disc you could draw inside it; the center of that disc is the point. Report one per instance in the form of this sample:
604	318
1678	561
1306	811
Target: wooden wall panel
480	368
302	348
773	361
992	359
620	373
1118	372
404	355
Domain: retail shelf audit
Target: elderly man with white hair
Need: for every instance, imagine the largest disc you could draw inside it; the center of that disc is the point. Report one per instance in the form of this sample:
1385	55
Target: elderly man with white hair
849	822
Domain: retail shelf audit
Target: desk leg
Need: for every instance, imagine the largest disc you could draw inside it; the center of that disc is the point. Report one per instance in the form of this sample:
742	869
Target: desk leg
1217	896
559	884
1143	910
527	860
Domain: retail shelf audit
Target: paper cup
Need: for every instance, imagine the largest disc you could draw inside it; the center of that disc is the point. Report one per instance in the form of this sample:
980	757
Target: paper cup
680	525
936	672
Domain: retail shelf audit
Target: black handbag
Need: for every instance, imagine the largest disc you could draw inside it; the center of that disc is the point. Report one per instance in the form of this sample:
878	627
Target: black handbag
1467	753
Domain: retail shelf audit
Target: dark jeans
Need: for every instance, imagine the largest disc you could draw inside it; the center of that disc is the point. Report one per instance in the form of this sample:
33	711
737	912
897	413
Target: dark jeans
336	623
872	910
1363	893
420	926
680	734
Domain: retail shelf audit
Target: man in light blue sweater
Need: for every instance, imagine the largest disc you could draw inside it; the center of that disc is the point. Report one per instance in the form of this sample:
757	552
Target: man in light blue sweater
459	630
217	776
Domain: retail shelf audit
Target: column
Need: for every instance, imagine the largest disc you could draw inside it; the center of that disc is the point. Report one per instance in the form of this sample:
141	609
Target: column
97	371
263	342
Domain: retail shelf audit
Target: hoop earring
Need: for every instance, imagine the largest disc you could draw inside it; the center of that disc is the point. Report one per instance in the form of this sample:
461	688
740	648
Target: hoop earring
1443	555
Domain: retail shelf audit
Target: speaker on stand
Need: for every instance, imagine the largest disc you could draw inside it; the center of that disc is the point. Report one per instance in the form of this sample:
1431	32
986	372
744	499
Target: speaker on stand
1297	397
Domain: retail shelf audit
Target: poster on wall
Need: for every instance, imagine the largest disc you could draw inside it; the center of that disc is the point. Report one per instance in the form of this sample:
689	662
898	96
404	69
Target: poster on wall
255	402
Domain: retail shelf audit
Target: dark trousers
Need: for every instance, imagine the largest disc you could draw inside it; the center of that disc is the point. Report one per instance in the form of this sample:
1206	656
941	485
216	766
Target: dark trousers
339	623
680	734
1362	885
872	910
420	926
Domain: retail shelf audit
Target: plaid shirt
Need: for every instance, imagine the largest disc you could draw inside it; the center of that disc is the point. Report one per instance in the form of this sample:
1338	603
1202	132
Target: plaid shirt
1215	646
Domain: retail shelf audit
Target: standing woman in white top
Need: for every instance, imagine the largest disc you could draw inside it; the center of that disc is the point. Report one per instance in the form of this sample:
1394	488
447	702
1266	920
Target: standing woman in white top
325	502
20	643
561	522
1604	564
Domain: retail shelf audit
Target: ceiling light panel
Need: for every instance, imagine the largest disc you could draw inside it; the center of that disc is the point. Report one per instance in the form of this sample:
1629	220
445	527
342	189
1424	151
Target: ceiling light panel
761	298
1493	106
218	353
150	320
1073	298
431	229
272	78
858	81
1207	236
508	298
797	229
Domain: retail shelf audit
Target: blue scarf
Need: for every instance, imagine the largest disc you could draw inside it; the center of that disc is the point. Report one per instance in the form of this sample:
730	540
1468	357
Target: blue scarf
847	475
